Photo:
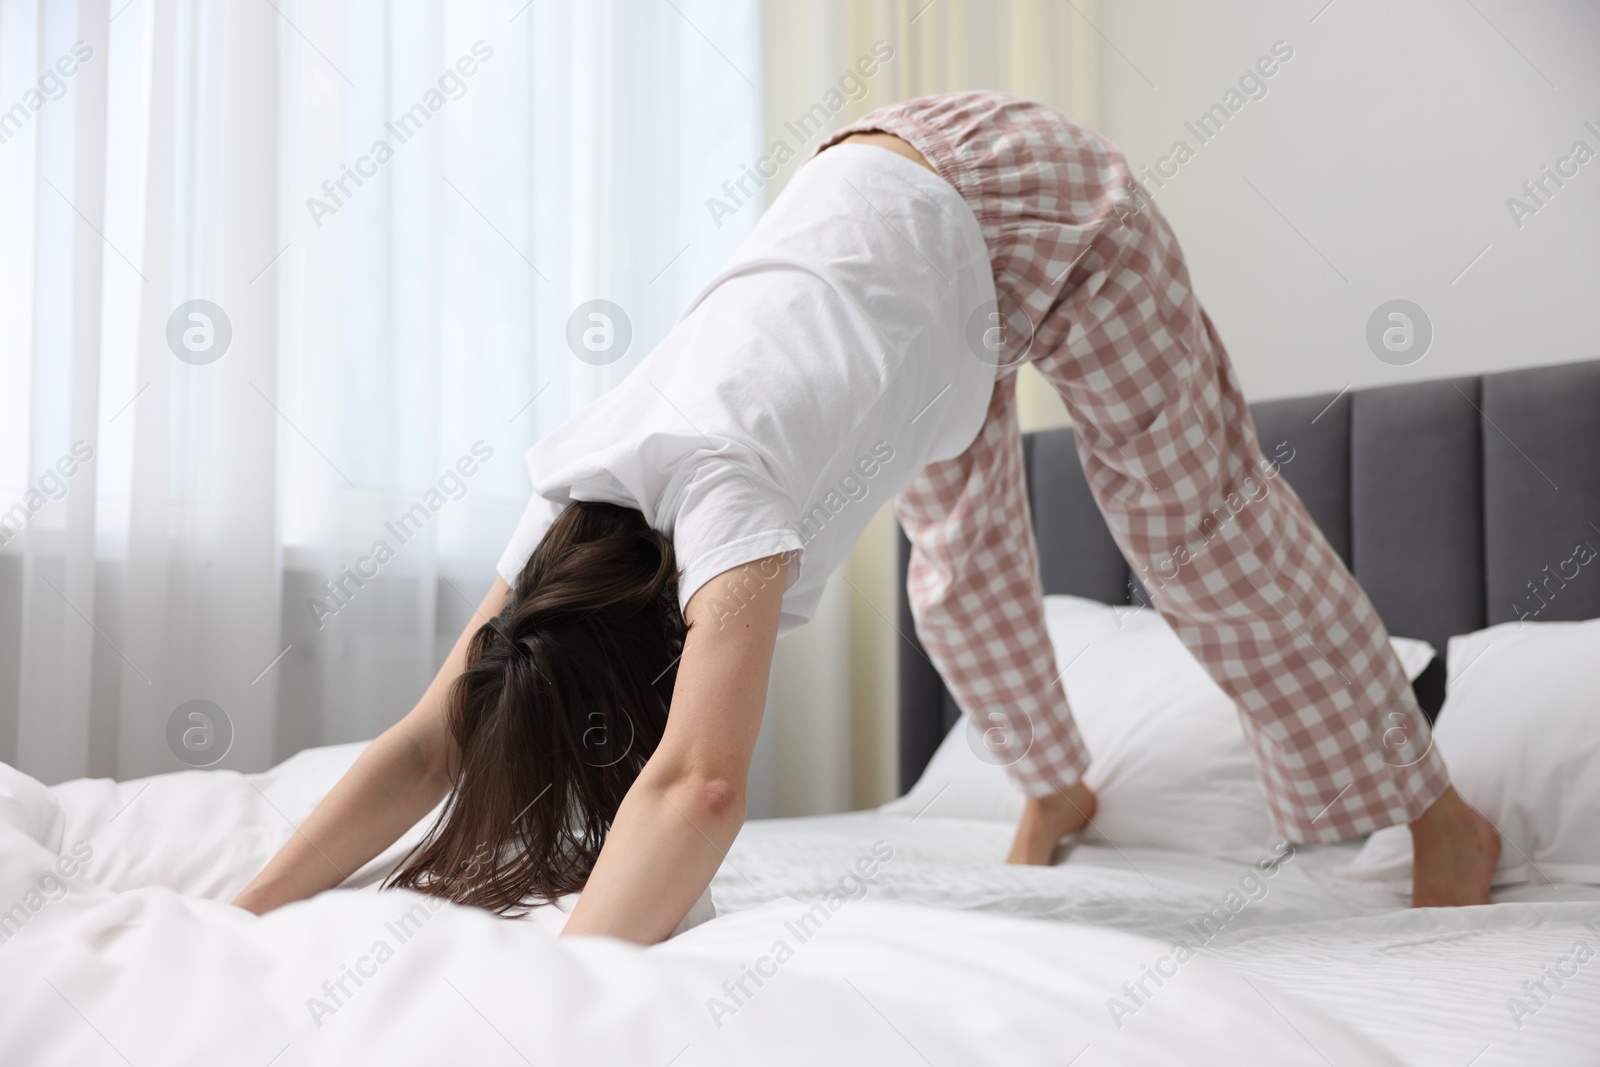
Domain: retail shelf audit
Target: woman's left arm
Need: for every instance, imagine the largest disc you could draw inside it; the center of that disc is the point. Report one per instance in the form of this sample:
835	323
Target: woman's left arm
682	813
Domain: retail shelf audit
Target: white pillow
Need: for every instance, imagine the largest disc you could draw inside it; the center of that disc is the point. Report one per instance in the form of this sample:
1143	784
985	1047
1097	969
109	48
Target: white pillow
1520	731
1169	765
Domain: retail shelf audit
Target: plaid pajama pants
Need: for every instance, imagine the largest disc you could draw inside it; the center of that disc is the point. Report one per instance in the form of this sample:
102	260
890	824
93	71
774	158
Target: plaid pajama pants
1093	286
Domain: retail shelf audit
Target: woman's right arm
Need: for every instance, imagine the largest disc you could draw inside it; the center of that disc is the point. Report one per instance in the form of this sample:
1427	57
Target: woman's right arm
398	779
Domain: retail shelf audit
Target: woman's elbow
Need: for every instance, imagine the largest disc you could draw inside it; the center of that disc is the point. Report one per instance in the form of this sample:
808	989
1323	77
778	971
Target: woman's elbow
718	797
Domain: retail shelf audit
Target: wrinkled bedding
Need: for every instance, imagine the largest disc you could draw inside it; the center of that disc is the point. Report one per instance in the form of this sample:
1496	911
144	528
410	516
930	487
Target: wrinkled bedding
851	939
1432	986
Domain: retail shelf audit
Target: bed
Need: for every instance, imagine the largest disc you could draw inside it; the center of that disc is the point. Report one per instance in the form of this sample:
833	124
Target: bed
875	937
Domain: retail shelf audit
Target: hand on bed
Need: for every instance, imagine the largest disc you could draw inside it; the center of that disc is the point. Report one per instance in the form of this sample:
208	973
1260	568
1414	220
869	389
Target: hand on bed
1046	820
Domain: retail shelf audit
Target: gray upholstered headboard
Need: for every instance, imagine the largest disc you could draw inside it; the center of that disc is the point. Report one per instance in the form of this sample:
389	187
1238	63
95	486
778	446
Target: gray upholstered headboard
1452	501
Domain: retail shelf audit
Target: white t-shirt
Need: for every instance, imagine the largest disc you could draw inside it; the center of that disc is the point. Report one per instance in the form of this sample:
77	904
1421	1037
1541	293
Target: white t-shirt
811	380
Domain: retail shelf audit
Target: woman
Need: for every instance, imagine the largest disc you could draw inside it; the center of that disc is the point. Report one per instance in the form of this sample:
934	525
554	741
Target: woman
862	343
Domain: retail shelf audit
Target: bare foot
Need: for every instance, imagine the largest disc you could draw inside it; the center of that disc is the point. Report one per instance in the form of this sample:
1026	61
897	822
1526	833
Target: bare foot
1046	820
1454	850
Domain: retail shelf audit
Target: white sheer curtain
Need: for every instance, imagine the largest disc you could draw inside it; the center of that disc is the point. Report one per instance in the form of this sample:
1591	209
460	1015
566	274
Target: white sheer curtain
193	495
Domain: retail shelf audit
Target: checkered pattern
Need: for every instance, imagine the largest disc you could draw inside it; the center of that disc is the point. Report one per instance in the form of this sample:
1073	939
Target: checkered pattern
1253	589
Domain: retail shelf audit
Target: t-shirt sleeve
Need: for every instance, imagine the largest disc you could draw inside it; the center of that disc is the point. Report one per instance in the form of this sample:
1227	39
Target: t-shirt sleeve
536	519
728	514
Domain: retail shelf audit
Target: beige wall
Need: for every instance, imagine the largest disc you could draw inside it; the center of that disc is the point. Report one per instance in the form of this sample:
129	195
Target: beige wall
1378	166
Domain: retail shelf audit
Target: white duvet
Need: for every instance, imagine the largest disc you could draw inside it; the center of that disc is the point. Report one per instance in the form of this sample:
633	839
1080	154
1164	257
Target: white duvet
827	950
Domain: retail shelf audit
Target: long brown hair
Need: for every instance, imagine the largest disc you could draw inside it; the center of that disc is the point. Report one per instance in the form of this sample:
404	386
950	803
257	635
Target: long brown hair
563	698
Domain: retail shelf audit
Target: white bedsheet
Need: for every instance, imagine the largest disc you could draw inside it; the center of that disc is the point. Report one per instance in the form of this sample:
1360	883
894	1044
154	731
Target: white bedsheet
140	961
1431	986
